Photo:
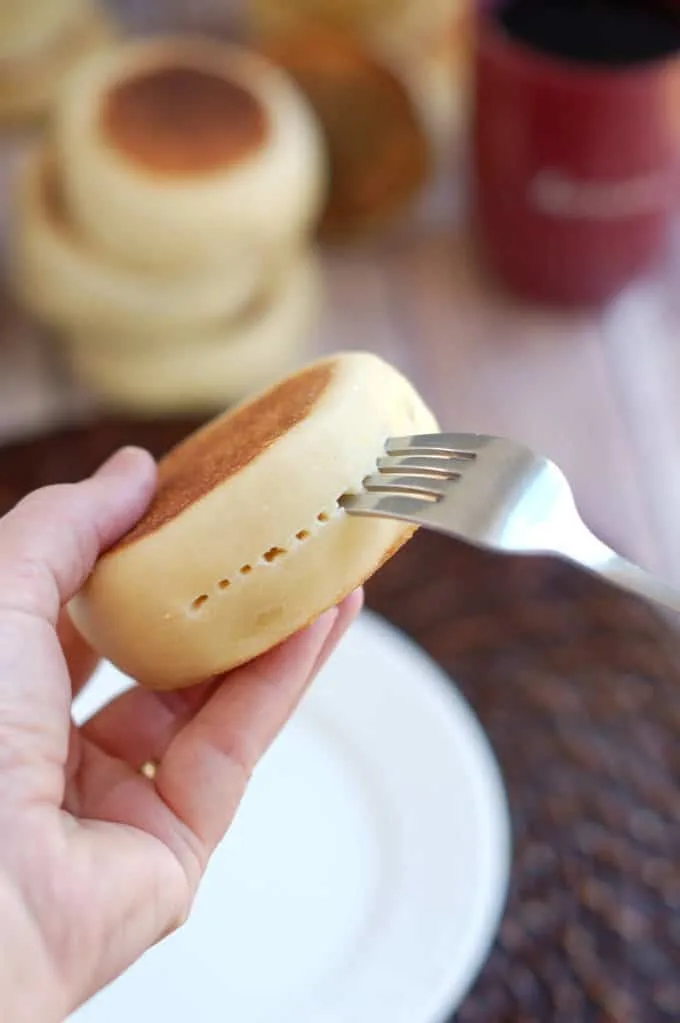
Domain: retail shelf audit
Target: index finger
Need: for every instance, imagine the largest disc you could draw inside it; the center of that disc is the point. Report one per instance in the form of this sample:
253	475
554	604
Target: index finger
48	545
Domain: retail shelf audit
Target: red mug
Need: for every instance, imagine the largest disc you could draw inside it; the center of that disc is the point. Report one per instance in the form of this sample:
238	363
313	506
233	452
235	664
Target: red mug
576	166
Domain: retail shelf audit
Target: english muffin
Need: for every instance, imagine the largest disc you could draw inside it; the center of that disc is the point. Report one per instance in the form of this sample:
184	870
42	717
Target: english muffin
206	370
178	152
70	284
417	24
273	17
30	81
28	27
245	542
379	151
435	64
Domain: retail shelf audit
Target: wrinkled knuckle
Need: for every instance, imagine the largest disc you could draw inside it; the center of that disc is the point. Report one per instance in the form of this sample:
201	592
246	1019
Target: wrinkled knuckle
192	857
46	501
241	756
31	585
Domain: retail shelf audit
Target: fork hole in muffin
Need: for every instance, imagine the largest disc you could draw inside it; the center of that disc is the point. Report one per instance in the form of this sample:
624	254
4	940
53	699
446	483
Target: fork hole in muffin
273	553
269	557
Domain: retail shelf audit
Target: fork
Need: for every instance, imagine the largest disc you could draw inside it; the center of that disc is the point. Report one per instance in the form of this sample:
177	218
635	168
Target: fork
498	495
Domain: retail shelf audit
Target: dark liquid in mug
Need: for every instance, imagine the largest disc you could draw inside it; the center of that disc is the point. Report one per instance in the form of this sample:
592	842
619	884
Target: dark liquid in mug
606	32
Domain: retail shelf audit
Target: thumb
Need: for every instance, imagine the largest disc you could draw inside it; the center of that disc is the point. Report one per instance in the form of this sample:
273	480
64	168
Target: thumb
50	541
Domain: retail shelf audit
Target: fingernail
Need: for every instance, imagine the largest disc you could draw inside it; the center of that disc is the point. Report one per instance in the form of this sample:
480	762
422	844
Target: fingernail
320	630
125	461
329	644
335	635
323	626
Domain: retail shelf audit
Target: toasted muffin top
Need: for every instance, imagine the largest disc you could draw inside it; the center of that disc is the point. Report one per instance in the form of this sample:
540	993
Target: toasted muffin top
378	150
226	446
181	116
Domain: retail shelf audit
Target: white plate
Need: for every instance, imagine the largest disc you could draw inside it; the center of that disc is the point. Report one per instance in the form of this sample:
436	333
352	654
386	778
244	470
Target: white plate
364	876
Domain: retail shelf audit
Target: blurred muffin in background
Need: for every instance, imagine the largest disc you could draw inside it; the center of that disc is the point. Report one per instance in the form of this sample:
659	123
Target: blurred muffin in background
434	60
73	285
216	367
378	150
426	45
164	229
180	152
41	41
27	26
279	17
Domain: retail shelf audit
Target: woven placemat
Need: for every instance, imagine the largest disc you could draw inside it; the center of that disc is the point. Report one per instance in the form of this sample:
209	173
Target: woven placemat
578	688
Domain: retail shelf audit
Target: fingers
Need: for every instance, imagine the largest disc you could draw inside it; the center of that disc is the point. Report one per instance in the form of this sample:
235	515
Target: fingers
205	769
50	541
198	785
48	545
347	612
140	725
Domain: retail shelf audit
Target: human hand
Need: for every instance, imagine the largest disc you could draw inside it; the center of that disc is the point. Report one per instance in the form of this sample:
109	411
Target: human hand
97	862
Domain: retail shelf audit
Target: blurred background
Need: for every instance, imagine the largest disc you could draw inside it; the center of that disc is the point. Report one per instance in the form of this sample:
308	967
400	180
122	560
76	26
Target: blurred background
392	86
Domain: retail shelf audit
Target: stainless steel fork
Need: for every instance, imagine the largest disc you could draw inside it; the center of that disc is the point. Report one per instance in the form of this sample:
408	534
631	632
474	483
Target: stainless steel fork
498	495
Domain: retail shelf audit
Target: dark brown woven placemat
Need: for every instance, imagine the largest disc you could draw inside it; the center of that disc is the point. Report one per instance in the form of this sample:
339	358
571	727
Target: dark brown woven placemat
579	690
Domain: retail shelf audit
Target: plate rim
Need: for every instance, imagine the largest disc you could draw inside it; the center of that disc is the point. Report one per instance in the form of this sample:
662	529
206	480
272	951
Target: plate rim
452	991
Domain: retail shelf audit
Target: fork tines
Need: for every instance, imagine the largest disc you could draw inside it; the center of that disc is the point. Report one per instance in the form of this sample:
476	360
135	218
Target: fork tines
422	466
426	486
415	471
463	446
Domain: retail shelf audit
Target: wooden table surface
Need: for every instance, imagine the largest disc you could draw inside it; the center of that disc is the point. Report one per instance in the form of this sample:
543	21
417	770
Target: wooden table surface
577	687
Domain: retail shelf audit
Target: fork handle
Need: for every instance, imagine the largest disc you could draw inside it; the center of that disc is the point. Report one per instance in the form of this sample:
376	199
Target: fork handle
630	577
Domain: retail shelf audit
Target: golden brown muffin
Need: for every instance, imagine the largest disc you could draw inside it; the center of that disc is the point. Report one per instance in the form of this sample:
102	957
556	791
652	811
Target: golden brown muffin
245	541
435	62
28	26
71	285
210	368
178	152
31	77
277	17
379	152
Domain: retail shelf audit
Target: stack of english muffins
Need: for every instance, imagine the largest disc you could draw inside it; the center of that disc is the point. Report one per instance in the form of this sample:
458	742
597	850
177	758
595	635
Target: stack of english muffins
426	43
40	42
165	229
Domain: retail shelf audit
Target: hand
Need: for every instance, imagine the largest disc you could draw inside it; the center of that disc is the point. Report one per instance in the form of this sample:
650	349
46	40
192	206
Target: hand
96	861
